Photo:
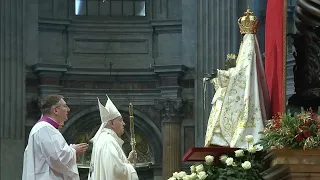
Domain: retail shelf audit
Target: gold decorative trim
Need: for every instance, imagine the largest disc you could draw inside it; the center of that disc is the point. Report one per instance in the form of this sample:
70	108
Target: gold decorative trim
285	8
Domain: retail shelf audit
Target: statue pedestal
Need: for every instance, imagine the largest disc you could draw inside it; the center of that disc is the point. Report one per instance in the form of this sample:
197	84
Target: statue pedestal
287	164
198	154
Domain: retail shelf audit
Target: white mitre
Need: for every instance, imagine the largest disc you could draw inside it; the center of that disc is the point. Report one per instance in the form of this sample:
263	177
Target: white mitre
107	113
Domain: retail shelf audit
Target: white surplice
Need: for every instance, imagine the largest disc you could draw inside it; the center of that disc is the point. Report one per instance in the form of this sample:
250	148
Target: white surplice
241	105
48	156
108	161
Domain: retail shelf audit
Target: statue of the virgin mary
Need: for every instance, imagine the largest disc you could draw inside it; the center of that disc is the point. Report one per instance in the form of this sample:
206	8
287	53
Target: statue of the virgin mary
240	105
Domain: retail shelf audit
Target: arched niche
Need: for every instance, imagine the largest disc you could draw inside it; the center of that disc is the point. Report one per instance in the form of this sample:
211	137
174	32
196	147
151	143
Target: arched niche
148	136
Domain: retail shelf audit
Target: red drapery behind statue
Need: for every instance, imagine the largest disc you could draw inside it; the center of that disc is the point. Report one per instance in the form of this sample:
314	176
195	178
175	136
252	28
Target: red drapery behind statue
275	53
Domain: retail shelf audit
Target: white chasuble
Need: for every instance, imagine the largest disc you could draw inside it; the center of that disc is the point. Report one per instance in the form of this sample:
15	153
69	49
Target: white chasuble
48	156
108	161
241	104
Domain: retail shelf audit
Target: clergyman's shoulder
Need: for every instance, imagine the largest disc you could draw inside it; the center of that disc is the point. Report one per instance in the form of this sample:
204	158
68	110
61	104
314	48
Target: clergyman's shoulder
37	127
44	128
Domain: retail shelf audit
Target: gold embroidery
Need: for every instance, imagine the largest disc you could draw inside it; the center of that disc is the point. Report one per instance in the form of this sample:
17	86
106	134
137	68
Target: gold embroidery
237	113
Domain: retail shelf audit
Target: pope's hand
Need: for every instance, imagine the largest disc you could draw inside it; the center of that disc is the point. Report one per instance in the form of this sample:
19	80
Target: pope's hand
132	157
80	148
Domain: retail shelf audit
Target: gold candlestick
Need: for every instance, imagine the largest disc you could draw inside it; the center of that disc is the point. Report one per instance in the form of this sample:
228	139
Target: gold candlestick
133	139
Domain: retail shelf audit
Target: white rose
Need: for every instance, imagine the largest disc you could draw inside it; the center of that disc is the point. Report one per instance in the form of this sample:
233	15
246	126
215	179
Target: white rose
209	159
239	153
229	161
175	174
192	169
223	158
246	165
193	176
249	138
181	174
252	149
202	175
186	178
199	168
172	178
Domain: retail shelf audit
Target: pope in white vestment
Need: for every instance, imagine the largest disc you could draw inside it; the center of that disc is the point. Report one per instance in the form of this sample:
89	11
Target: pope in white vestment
241	103
47	155
108	160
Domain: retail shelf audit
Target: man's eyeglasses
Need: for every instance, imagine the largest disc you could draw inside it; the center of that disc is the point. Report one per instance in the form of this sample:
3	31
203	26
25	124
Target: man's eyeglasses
64	105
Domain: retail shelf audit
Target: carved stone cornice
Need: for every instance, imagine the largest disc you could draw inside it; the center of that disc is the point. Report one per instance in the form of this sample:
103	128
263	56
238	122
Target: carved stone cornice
136	97
49	24
127	73
171	70
167	26
95	25
170	109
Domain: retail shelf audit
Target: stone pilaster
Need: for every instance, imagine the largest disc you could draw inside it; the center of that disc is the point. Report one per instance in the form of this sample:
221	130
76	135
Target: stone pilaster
49	76
171	125
189	33
160	11
12	88
217	36
170	104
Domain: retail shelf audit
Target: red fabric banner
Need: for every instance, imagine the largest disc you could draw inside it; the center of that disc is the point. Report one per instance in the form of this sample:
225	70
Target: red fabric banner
275	53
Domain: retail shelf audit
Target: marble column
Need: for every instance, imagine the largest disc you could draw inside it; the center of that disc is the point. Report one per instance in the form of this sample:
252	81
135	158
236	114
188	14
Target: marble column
171	125
12	88
217	35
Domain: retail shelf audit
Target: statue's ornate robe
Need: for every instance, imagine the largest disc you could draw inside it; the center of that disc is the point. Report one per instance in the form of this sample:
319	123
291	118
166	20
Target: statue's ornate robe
241	103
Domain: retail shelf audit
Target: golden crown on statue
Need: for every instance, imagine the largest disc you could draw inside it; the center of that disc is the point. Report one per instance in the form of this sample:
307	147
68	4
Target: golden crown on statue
248	23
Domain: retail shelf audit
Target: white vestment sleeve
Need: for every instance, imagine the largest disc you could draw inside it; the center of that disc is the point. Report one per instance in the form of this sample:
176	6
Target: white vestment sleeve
59	155
121	170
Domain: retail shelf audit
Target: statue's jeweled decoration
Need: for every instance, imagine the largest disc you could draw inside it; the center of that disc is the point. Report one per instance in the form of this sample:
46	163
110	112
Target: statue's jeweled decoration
240	105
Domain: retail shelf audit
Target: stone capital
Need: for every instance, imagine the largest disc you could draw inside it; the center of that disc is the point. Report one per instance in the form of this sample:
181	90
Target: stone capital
170	109
45	70
49	74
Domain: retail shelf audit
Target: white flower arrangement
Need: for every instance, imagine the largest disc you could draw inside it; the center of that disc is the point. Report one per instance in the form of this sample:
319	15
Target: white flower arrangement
239	166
